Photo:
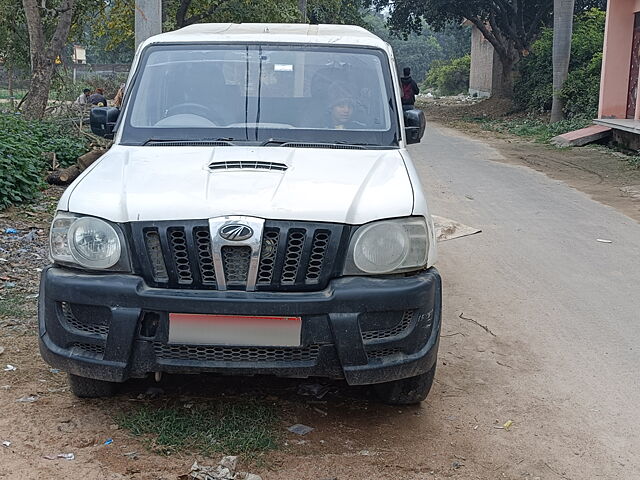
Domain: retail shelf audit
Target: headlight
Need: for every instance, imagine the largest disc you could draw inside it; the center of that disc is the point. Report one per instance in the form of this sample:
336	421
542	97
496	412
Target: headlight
389	246
88	242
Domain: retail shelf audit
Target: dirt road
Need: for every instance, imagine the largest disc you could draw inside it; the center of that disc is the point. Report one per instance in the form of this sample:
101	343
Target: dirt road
540	329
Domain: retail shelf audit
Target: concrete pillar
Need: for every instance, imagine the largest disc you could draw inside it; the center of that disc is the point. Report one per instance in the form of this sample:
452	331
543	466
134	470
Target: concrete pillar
148	19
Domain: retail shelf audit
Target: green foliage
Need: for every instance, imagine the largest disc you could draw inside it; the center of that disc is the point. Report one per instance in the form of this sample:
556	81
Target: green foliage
581	91
115	22
22	164
420	50
536	128
450	77
229	427
534	89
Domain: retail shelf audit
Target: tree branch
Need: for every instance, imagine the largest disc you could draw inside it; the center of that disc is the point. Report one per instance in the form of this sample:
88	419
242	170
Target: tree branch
201	16
489	35
181	13
62	29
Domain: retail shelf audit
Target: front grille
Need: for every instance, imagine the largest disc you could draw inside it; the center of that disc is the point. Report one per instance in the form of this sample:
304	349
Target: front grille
383	353
96	324
295	256
178	243
295	244
397	329
236	262
211	353
205	257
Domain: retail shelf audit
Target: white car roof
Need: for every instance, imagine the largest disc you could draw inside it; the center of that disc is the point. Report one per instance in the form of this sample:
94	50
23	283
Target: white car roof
271	33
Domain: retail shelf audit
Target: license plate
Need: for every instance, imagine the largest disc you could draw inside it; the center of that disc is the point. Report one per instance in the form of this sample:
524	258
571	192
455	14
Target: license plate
237	330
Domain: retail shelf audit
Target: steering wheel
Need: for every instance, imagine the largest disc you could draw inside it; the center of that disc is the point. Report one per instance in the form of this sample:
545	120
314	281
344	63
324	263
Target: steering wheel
196	109
193	108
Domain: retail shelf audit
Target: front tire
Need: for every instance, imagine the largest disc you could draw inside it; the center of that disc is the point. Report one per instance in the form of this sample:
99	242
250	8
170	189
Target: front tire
407	391
83	387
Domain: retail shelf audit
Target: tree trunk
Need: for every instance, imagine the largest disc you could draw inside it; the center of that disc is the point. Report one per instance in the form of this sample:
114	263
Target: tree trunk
302	6
562	31
43	55
12	101
40	84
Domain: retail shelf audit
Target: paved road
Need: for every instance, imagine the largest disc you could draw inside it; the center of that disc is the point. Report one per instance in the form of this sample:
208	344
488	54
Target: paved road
565	308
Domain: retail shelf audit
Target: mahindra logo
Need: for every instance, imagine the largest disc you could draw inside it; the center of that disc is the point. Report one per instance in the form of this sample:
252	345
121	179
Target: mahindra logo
235	232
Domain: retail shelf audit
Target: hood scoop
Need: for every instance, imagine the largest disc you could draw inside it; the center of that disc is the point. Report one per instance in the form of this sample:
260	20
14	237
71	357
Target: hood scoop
247	165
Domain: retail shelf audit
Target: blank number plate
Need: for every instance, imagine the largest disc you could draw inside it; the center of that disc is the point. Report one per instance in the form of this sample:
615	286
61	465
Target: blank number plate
239	330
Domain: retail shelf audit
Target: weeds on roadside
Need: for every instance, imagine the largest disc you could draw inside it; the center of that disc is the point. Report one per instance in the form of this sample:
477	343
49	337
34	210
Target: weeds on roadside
533	128
16	307
230	427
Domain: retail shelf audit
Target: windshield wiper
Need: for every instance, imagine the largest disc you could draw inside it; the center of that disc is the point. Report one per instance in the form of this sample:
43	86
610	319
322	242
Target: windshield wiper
277	141
223	141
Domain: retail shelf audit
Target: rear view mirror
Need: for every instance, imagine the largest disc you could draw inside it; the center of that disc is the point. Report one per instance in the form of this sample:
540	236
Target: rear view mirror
103	120
414	125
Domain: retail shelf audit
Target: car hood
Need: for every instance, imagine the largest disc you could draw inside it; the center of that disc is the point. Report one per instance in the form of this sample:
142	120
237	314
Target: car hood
172	183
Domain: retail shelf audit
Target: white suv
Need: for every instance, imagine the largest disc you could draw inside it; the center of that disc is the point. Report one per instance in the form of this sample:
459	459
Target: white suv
258	213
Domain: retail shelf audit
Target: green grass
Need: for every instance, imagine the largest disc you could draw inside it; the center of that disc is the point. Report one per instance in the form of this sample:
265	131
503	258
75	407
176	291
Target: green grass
634	161
533	128
15	306
229	427
17	93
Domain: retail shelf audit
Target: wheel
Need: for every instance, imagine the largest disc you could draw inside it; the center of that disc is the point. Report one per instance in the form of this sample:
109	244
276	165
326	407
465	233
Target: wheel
407	391
90	388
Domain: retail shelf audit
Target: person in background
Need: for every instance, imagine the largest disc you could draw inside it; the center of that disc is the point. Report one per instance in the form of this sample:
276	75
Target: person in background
409	89
83	98
117	100
98	99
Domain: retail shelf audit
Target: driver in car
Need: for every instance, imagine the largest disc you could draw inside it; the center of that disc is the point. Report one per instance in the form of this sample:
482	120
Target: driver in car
341	105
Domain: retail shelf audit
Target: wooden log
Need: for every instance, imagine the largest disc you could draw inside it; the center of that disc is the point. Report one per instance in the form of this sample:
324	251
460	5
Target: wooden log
88	158
63	176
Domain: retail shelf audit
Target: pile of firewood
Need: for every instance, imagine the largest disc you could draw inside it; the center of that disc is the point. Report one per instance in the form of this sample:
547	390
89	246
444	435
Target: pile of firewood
64	176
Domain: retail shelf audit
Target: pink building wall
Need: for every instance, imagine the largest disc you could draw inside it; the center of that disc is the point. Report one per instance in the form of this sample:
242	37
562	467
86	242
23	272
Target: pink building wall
614	84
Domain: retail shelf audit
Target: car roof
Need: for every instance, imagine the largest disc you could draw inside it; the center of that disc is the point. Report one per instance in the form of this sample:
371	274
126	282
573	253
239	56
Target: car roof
271	33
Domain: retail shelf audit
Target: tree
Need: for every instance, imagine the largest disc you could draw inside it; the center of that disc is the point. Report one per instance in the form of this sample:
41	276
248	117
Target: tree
419	51
14	41
562	31
116	19
533	89
509	25
44	51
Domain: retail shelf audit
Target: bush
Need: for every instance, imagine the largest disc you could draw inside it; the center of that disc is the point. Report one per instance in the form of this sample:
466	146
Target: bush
22	163
449	77
534	89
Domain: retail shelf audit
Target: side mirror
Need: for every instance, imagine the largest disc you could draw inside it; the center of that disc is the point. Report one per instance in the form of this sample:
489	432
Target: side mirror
103	120
414	125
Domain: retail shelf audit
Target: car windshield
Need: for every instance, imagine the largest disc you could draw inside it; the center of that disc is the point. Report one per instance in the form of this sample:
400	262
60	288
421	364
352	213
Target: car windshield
257	93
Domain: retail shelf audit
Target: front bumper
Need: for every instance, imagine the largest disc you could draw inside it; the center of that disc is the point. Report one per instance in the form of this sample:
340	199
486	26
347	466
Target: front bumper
366	330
